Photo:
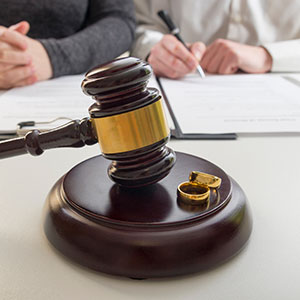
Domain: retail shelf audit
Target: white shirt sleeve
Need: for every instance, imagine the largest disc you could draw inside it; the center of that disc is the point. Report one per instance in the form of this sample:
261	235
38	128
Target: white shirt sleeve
150	29
249	22
285	55
145	40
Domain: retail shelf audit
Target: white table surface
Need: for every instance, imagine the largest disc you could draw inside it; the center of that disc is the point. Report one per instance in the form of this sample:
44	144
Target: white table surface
266	167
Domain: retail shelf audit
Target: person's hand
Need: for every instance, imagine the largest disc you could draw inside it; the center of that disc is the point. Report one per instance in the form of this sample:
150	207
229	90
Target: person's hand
21	27
15	63
227	57
170	58
40	59
23	60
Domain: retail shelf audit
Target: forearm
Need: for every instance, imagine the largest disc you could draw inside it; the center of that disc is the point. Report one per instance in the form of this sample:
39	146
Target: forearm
285	55
95	44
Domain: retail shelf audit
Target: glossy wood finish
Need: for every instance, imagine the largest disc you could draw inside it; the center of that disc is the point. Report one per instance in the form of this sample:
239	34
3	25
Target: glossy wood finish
118	87
76	133
143	166
145	232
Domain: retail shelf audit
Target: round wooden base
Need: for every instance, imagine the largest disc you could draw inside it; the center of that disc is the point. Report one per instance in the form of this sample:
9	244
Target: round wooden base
145	232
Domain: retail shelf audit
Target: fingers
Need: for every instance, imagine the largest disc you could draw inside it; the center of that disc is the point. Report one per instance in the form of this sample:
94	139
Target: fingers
198	49
175	47
170	58
4	67
12	47
21	27
227	57
161	69
212	57
13	38
16	57
164	63
229	64
27	81
17	76
222	57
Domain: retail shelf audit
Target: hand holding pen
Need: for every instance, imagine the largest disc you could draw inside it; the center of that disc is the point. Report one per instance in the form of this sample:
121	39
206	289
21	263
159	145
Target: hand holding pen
171	58
176	32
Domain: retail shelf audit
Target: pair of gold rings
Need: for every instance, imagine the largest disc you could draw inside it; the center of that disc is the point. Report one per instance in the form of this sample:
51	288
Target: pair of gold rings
197	189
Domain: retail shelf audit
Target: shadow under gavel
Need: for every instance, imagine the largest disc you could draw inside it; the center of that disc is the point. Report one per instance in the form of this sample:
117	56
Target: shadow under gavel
143	232
127	120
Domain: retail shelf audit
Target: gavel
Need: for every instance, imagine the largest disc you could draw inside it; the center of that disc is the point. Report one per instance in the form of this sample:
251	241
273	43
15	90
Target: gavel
130	226
127	120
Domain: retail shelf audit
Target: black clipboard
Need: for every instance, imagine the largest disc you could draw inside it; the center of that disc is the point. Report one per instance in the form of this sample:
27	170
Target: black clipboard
177	132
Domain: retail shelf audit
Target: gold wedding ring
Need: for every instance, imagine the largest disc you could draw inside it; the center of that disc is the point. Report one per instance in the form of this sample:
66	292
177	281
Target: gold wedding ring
211	181
193	192
196	191
201	206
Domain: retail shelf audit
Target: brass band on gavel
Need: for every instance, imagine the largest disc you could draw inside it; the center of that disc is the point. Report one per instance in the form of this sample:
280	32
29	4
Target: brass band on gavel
129	122
132	130
127	119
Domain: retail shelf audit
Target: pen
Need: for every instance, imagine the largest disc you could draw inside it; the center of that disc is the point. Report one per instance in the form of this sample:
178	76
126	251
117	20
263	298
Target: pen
175	31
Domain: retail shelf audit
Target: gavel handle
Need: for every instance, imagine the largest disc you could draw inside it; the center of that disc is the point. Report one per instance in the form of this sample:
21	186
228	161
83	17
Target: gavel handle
76	133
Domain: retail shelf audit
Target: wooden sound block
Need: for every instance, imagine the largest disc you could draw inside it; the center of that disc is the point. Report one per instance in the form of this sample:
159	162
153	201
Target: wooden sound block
145	232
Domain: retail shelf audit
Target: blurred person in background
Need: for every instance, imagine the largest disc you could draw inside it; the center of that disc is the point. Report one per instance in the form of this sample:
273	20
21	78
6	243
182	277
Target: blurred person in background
224	36
44	39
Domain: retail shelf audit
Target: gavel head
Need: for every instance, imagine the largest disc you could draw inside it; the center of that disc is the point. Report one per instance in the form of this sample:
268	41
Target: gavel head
129	122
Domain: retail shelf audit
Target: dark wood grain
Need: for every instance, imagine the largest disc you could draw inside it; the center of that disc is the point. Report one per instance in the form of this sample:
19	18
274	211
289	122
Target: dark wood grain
145	232
76	133
118	87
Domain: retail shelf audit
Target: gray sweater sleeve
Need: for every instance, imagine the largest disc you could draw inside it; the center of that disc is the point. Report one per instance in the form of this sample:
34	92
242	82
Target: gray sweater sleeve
107	33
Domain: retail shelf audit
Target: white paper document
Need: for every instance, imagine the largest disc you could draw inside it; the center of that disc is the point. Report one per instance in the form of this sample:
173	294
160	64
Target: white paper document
241	103
46	101
43	102
217	104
